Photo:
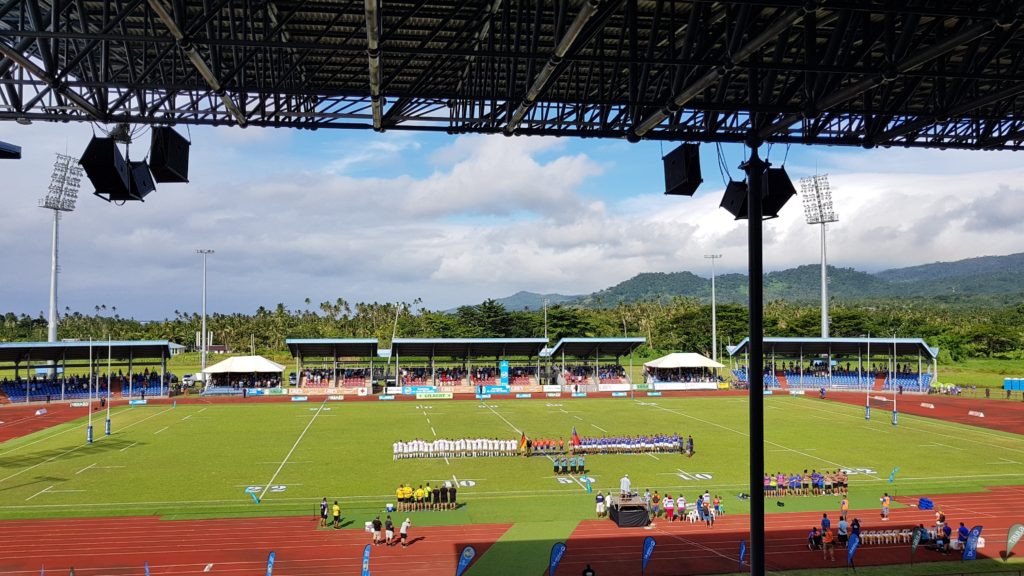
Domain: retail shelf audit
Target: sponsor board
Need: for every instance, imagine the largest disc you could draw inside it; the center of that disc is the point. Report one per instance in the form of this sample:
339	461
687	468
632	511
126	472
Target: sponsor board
976	413
654	393
296	391
42	411
553	394
411	390
393	390
551	388
254	391
275	392
136	402
519	388
482	396
434	395
796	392
579	394
642	387
524	395
386	397
362	392
299	398
767	392
336	397
496	389
618	394
928	405
82	404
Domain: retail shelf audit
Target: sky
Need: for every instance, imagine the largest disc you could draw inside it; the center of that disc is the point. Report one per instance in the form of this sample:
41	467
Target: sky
454	220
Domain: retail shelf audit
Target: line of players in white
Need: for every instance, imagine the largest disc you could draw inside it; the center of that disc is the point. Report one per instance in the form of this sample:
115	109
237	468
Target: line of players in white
457	448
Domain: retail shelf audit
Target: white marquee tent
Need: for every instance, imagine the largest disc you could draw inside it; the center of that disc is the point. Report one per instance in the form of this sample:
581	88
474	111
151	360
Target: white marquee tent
678	371
244	365
683	360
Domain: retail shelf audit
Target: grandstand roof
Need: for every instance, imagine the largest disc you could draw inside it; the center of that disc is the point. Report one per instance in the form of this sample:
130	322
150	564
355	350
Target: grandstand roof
119	350
332	347
467	347
812	346
585	347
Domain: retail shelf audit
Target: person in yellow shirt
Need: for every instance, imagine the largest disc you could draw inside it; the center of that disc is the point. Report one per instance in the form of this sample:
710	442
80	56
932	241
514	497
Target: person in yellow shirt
426	495
407	496
336	510
400	496
418	495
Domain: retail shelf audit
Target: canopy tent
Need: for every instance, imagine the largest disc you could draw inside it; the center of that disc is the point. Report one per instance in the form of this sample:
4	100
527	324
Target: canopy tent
683	360
245	365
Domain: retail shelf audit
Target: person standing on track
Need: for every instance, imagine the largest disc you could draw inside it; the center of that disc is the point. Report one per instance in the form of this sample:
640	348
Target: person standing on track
404	532
376	530
452	503
886	500
389	531
323	512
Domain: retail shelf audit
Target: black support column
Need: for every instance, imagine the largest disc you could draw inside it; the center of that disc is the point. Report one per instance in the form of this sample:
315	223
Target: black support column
755	168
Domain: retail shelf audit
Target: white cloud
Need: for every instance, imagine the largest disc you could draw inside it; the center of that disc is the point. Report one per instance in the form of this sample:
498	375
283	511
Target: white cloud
486	216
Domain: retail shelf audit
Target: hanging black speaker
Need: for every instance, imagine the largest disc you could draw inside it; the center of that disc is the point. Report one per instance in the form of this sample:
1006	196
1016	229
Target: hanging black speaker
682	170
735	199
778	190
168	155
9	151
106	168
142	181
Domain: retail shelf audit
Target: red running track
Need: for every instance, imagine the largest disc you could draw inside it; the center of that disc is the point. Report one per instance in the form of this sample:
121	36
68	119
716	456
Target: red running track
236	546
20	419
1004	415
684	548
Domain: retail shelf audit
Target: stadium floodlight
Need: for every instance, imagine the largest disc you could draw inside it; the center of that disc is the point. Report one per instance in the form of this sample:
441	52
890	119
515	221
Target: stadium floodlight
818	209
65	181
204	253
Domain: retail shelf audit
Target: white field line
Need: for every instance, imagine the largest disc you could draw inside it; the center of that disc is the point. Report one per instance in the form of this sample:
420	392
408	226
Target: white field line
511	425
741	433
263	493
962	436
599	428
40	492
161	430
582	485
652	455
577	417
432	431
128	446
490	495
69	450
84	469
202	410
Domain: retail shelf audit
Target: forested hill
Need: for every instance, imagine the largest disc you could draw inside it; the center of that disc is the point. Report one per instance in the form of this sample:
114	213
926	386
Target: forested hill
1001	277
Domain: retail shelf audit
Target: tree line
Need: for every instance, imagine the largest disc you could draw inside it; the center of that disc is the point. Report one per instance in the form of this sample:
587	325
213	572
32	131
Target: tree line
676	324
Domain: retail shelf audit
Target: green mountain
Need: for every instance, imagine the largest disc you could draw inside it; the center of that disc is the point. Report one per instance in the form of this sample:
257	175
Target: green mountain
975	277
523	300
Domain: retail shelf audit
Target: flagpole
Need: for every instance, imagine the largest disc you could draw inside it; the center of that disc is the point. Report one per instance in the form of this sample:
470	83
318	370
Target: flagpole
110	347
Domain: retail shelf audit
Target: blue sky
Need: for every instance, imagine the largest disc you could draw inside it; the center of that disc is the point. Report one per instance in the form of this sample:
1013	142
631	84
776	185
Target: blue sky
453	220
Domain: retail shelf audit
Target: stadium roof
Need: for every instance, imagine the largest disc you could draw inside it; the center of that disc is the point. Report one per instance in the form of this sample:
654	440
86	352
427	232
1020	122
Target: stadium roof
18	352
938	73
587	347
792	347
332	347
467	347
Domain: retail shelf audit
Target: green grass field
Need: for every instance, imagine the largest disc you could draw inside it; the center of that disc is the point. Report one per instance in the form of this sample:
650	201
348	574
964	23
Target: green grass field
195	461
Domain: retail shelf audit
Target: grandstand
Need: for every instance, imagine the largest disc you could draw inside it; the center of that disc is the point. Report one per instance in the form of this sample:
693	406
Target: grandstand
467	365
586	370
901	364
346	364
60	370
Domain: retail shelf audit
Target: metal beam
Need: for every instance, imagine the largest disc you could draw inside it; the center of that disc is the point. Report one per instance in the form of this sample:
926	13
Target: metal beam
200	65
373	56
53	84
678	101
547	74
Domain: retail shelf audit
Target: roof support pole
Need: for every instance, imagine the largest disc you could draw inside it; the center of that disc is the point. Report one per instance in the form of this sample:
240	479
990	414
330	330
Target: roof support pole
373	56
755	168
547	74
197	60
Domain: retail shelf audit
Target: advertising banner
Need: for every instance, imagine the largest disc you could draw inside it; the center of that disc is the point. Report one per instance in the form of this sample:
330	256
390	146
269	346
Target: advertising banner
496	389
524	395
299	398
82	404
619	394
579	394
553	394
434	395
503	372
557	551
385	397
336	397
413	390
136	402
648	551
971	548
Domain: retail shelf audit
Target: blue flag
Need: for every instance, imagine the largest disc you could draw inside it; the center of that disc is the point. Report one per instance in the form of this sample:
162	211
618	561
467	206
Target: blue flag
146	566
270	564
851	547
465	559
366	560
892	476
648	550
743	552
557	551
971	547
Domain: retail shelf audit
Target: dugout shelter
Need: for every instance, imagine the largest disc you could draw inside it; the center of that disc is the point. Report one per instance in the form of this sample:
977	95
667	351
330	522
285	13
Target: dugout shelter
56	362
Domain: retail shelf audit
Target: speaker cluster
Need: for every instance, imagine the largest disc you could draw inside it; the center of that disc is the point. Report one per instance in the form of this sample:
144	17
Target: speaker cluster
9	151
117	179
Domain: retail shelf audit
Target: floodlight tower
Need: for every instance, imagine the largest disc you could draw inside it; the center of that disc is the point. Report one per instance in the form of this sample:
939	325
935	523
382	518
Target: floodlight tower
60	197
818	210
204	252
